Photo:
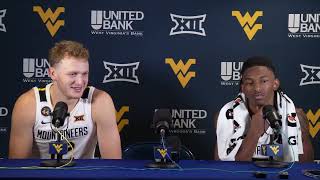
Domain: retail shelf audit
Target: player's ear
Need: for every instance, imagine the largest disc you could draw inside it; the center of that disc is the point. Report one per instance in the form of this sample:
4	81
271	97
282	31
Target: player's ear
276	84
52	73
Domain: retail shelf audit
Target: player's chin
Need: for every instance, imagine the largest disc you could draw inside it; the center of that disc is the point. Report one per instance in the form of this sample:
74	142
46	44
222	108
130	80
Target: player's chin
76	94
260	102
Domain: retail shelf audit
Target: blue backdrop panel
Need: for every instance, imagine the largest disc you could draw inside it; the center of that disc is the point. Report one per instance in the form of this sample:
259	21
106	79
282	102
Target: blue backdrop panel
182	55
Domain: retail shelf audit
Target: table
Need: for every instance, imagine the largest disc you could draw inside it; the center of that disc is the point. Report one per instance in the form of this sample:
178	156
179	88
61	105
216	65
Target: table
134	169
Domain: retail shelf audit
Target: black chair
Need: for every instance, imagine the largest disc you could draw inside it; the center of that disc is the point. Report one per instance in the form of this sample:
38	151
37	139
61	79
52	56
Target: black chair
144	151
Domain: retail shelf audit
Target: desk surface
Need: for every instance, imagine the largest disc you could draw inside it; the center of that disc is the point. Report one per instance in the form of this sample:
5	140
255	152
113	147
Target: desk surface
133	169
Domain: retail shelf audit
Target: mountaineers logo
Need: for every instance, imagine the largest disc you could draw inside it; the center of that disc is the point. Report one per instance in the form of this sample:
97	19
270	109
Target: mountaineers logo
182	70
45	111
121	121
275	149
58	147
163	152
49	18
264	149
248	22
314	122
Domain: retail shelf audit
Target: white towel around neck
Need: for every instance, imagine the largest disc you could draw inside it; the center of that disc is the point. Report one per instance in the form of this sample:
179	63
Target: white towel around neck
232	124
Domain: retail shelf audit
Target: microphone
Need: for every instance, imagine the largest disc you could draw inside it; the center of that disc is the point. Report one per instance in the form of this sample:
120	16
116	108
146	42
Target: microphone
59	114
270	114
161	120
273	151
58	148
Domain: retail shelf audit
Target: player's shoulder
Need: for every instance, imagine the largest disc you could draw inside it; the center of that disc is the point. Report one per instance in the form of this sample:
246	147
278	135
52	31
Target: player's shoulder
227	106
100	95
26	98
25	106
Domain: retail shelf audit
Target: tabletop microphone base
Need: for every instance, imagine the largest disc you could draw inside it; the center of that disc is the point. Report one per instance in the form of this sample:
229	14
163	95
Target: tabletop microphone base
271	163
162	165
55	163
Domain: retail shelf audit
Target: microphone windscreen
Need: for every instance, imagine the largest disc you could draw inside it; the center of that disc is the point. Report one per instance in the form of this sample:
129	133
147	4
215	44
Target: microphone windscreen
270	113
60	112
161	120
162	115
267	108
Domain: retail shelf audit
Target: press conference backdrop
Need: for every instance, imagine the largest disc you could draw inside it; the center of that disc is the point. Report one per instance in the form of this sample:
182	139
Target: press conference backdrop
183	55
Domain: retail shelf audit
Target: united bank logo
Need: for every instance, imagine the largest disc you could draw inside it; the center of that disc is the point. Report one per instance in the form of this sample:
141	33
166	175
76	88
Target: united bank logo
312	75
119	23
121	72
50	19
36	70
3	111
3	130
181	70
230	73
248	22
122	122
188	121
314	122
2	15
304	26
188	25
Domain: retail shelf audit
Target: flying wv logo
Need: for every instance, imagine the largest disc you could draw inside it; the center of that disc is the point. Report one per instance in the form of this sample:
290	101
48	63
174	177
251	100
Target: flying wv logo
181	70
163	152
50	18
247	22
314	124
58	147
122	121
275	149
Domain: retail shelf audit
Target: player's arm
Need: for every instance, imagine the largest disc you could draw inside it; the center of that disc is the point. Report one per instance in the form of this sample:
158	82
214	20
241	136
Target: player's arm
104	115
22	122
249	143
308	154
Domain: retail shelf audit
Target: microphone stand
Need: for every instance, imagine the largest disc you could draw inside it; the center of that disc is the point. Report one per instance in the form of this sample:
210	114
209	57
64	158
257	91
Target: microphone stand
164	163
271	162
59	156
271	143
59	161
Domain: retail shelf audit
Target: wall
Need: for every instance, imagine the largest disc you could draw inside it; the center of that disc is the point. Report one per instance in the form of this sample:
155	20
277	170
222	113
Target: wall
183	55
